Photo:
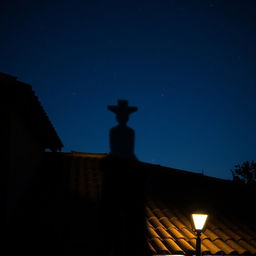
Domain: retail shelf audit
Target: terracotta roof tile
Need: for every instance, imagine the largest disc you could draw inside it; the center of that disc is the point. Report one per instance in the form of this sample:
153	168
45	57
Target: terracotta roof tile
220	233
173	246
188	233
167	224
218	238
185	220
224	247
163	233
211	235
185	245
175	233
239	249
219	242
158	246
204	249
247	246
152	233
155	222
211	246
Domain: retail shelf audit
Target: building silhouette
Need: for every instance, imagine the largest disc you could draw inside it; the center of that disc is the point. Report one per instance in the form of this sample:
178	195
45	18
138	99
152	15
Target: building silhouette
105	203
27	133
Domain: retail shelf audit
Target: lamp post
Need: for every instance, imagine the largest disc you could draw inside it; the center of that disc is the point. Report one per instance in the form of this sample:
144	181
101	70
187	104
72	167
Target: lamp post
199	221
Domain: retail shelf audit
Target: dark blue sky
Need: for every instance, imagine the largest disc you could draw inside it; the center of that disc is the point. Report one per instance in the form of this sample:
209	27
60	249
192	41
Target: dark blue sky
189	66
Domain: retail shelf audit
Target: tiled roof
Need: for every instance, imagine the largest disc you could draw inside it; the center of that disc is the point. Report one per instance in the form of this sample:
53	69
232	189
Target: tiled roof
23	101
168	220
170	232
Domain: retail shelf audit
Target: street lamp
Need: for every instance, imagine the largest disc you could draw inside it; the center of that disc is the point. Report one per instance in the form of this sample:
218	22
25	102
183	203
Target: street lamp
199	220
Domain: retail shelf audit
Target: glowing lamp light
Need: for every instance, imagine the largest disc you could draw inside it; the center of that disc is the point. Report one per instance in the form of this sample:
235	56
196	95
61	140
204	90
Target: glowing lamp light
199	221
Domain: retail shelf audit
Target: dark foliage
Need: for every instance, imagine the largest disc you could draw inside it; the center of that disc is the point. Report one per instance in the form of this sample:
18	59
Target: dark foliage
245	173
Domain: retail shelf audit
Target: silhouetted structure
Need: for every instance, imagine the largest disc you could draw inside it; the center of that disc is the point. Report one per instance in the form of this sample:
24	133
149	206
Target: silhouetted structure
123	183
27	133
121	136
94	204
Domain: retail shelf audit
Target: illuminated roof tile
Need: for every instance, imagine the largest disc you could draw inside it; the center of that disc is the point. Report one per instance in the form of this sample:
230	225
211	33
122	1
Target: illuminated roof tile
185	245
224	247
204	249
173	246
163	233
158	246
152	233
155	222
167	224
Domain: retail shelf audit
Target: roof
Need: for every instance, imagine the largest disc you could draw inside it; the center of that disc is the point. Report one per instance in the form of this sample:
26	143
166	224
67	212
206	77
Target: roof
168	215
23	101
170	232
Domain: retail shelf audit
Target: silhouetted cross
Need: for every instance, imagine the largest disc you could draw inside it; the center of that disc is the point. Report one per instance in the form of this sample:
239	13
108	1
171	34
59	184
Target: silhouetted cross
122	110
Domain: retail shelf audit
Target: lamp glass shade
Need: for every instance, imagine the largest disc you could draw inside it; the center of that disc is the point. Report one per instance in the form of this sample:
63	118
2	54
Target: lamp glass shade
199	221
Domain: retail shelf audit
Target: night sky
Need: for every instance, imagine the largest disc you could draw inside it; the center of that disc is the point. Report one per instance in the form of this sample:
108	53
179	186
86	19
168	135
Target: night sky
189	66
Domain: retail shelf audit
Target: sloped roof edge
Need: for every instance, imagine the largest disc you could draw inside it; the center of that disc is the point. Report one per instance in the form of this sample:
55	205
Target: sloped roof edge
38	115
